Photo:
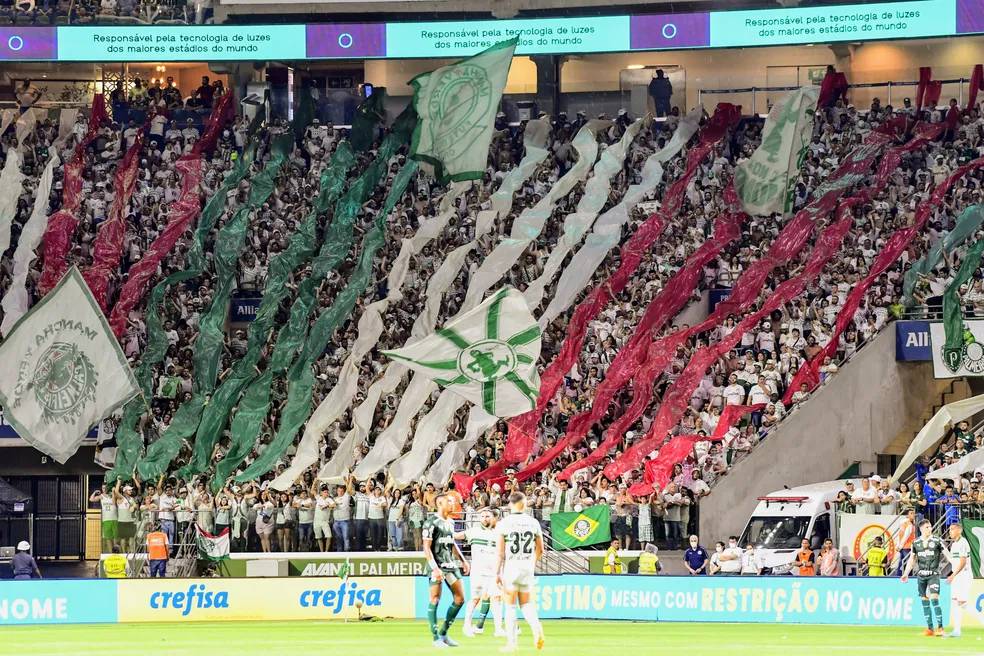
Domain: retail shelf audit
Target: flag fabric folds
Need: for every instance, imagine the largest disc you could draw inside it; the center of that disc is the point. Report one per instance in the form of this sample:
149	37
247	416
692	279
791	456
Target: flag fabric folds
764	181
973	530
212	547
64	371
487	355
457	105
573	530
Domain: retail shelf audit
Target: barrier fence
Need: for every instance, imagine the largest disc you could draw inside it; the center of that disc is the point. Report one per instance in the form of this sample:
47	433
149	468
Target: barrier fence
784	599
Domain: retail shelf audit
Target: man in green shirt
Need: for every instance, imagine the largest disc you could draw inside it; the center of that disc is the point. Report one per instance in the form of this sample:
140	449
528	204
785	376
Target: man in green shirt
443	556
926	558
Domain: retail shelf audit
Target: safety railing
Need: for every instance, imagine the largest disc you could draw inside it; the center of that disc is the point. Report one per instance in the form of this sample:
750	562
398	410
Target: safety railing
891	89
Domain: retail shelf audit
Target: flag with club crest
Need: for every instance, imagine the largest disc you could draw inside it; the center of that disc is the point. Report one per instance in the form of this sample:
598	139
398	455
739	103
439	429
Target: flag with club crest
456	106
487	355
573	530
212	547
765	181
63	371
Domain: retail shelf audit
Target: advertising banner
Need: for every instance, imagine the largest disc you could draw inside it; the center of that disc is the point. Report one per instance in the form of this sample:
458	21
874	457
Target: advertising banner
858	532
971	361
57	602
462	38
912	343
243	309
782	600
974	611
332	566
201	600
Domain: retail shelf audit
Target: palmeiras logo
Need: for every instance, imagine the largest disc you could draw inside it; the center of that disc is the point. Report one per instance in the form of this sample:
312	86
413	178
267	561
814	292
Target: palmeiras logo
582	529
458	107
487	360
64	382
969	355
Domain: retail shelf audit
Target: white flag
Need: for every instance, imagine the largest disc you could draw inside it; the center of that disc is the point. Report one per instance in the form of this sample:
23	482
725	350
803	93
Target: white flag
488	355
457	105
63	371
764	181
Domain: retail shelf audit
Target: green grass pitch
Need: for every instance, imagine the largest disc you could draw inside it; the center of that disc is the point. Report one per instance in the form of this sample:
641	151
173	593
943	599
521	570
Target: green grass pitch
411	638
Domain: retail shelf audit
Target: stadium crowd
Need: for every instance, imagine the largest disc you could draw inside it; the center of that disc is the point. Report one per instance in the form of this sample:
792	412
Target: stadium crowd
378	514
82	12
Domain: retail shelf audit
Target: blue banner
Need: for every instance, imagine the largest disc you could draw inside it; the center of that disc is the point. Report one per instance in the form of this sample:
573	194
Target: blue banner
243	309
779	599
7	431
715	296
912	342
58	602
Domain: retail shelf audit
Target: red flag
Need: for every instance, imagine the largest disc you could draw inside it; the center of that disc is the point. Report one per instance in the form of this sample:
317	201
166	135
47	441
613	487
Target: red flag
182	213
57	240
108	247
809	373
925	75
522	429
976	84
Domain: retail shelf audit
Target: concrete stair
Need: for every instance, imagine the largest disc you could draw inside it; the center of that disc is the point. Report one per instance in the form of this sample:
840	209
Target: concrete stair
946	391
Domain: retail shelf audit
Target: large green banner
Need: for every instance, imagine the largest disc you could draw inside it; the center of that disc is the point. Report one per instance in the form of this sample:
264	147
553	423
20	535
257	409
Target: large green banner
973	530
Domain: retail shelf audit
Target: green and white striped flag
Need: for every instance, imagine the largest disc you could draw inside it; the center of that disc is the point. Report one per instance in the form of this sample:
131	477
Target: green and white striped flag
488	355
456	106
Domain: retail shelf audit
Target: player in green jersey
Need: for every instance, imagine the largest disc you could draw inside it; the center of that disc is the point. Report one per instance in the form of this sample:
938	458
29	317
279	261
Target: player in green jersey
927	557
443	556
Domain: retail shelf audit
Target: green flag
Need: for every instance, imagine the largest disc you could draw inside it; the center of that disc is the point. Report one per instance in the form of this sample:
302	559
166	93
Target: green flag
764	182
958	338
966	225
457	105
973	531
368	116
487	355
573	530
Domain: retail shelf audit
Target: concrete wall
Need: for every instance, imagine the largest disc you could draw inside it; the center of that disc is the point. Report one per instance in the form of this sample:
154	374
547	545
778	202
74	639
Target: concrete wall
851	420
732	68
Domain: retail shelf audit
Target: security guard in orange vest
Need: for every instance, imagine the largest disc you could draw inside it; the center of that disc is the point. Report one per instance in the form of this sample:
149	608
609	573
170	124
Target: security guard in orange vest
157	552
806	560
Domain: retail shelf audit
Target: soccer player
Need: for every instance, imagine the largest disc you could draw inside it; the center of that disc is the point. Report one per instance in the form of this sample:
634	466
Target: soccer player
927	556
443	555
483	540
520	545
961	577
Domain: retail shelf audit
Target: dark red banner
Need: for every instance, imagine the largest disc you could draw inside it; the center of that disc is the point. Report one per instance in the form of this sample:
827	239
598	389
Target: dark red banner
57	240
180	216
107	251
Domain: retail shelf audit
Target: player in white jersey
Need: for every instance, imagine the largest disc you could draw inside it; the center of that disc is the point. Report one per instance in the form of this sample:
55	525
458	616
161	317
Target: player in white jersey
961	578
520	545
483	541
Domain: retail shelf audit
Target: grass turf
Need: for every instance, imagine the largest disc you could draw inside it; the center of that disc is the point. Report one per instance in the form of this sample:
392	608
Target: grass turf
410	638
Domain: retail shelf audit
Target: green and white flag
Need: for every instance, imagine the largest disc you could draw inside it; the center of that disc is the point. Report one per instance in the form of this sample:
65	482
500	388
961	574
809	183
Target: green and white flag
212	547
456	106
63	371
973	530
764	181
488	355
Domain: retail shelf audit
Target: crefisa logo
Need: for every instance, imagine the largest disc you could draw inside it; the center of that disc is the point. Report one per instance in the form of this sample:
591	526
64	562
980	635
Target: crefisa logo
196	597
348	595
